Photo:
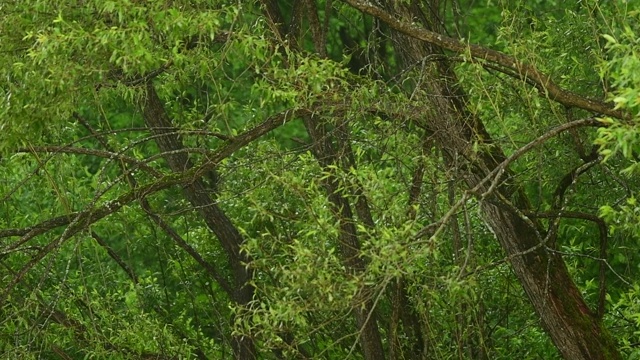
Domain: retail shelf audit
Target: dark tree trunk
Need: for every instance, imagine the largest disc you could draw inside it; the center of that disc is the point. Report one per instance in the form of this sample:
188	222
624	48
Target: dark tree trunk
325	152
198	194
574	328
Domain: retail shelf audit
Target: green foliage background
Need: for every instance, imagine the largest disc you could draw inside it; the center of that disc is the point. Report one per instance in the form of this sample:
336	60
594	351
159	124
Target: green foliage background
221	72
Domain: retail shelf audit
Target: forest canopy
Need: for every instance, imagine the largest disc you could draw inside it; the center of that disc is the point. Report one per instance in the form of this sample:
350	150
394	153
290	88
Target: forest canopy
318	179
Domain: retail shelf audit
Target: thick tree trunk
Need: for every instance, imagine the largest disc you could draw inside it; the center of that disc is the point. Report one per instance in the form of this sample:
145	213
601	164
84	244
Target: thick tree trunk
573	327
198	194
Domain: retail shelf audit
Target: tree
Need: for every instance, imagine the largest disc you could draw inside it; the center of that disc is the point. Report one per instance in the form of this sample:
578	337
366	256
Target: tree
318	179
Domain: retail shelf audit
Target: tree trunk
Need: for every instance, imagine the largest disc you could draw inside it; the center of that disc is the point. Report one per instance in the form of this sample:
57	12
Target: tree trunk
198	194
574	328
326	155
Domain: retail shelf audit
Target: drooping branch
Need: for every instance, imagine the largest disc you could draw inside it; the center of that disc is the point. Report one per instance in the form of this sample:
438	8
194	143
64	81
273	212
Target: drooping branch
506	64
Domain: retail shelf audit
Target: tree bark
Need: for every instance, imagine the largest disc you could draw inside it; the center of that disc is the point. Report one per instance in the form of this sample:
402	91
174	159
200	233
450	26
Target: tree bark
574	328
198	194
326	154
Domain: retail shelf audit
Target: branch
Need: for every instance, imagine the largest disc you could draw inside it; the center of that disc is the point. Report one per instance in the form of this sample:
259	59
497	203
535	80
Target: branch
80	220
237	143
508	64
112	254
602	227
208	267
569	178
144	203
86	151
435	228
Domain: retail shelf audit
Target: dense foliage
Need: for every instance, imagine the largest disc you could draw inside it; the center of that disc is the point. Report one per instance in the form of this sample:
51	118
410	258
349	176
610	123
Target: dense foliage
319	179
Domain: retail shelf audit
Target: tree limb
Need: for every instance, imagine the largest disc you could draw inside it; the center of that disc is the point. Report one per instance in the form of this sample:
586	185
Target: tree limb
507	64
81	219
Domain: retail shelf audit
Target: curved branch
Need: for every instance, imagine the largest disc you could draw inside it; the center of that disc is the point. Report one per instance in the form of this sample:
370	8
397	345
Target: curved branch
37	229
80	220
144	203
507	64
168	181
496	174
208	267
602	227
113	255
93	152
569	178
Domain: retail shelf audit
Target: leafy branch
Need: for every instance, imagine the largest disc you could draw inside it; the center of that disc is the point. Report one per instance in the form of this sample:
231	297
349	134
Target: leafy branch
504	63
80	220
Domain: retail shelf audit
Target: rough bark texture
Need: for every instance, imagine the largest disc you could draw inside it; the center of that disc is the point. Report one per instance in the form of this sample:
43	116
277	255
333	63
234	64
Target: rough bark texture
198	194
573	327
